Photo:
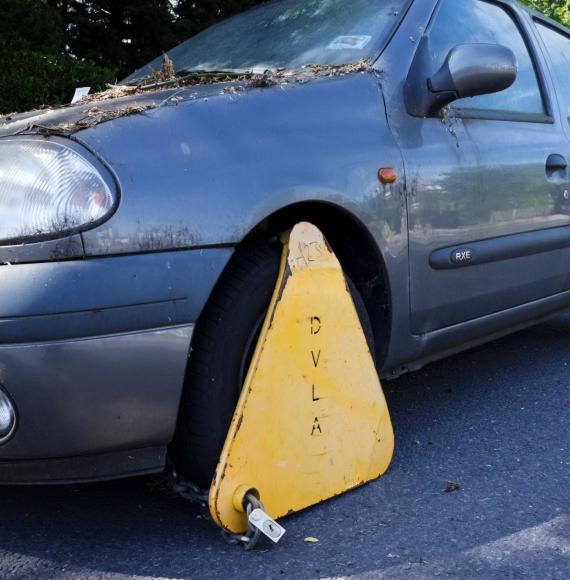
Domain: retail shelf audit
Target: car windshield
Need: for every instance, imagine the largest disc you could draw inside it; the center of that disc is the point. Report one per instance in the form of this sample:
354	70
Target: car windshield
287	34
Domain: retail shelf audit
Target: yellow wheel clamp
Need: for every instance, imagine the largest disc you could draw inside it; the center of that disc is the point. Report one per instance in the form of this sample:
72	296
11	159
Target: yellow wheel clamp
312	421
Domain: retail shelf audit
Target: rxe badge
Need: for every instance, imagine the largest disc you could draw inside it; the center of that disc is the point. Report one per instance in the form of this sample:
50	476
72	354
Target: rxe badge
462	257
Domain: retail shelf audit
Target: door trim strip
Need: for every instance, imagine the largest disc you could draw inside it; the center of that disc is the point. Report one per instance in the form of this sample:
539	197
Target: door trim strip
502	248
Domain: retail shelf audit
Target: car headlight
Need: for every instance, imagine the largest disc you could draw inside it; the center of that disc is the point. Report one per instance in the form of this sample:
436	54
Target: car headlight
49	189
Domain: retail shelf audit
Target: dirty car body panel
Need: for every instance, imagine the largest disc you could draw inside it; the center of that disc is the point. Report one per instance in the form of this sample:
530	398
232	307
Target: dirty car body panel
96	326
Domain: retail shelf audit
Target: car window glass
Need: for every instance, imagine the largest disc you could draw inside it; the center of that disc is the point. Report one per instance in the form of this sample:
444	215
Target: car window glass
558	46
477	21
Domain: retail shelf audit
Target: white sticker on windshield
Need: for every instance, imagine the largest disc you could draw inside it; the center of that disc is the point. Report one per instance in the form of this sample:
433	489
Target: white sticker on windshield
349	42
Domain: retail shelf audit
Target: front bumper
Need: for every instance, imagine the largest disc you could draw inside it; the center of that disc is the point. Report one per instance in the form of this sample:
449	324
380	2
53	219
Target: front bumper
93	355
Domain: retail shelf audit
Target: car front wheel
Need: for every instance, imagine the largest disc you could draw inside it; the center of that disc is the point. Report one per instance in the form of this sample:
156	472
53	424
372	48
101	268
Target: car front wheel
224	341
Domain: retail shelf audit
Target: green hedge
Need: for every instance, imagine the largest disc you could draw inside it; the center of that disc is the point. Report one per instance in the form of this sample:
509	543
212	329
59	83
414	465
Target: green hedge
29	79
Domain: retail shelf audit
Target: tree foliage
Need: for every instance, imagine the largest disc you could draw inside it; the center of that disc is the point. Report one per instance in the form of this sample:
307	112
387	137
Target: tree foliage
117	34
50	47
557	9
35	65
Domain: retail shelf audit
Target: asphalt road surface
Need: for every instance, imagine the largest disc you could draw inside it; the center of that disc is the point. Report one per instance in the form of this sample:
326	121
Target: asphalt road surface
494	419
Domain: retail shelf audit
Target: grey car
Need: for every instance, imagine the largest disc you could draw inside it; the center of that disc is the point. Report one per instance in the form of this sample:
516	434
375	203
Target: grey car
140	227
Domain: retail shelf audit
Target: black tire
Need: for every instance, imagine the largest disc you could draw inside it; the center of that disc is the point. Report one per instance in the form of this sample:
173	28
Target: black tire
223	343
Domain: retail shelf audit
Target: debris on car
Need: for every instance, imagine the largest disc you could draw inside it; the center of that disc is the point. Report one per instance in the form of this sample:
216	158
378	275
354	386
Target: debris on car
92	118
161	81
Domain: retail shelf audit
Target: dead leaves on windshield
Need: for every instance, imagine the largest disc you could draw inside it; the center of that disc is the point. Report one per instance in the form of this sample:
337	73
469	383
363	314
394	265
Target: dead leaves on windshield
165	79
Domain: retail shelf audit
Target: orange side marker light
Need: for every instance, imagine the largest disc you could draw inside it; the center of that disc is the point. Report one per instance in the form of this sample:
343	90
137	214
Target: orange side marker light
387	175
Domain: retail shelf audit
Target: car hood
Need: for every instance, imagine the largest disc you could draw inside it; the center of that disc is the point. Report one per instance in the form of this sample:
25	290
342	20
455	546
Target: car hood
124	101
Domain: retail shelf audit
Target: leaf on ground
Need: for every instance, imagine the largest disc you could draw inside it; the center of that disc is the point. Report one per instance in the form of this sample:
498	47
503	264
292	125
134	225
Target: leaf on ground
452	486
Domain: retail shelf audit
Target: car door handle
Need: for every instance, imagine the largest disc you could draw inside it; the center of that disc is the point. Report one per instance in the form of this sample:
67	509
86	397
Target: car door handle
556	166
556	162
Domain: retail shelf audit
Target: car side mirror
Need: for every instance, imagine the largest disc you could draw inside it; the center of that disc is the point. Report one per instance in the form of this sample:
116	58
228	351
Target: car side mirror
468	71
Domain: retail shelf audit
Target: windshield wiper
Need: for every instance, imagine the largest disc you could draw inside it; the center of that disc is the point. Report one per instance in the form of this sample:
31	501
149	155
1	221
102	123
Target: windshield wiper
150	80
199	72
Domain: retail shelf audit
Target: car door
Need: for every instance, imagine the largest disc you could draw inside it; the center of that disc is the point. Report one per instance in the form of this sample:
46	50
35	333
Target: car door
488	235
556	40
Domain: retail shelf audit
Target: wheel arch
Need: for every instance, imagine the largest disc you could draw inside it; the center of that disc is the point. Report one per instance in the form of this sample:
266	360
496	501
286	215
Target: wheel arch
355	248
